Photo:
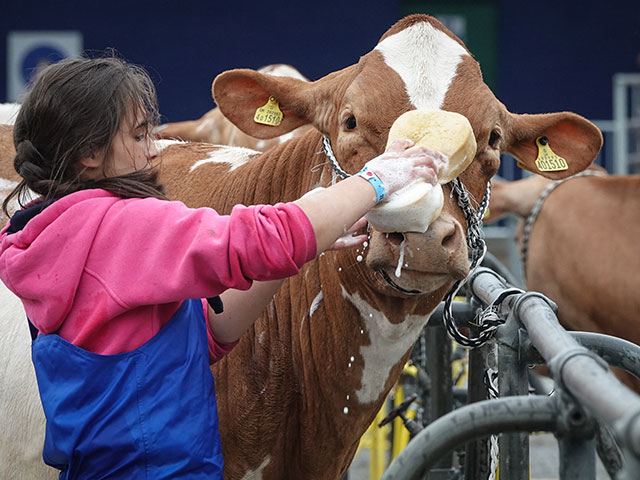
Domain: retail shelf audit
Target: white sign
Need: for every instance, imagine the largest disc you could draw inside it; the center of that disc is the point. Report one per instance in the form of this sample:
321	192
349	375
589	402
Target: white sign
29	51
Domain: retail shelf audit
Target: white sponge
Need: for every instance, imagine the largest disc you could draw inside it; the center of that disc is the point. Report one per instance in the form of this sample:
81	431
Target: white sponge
414	207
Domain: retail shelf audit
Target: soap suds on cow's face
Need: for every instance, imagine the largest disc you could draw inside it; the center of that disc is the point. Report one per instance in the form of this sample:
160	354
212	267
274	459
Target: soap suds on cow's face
400	259
427	77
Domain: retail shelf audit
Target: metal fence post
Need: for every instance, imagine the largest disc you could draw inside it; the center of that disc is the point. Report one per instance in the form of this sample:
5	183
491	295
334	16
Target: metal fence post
440	401
476	458
512	380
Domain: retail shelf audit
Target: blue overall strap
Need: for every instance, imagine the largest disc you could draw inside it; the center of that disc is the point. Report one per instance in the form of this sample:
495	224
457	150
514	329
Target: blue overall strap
146	414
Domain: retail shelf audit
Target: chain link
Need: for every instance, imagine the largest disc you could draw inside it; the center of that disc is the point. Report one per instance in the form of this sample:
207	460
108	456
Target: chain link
328	151
477	249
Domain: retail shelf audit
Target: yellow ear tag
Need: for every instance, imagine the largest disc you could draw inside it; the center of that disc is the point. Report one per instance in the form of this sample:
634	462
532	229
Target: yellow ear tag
548	161
269	114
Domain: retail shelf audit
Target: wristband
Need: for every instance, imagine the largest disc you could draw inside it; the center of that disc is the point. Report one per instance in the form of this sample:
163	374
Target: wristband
376	183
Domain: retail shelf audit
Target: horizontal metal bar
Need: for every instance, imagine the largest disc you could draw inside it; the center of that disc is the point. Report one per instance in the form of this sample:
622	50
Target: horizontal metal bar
462	312
510	414
573	366
617	352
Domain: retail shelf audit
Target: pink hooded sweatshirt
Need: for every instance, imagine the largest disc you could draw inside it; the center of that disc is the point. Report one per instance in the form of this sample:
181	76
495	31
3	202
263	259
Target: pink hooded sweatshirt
106	274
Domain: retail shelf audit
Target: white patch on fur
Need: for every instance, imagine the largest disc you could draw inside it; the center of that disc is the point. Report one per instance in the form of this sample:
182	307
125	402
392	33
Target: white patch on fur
282	70
315	303
162	144
389	342
426	59
257	473
8	113
234	156
286	137
22	429
6	184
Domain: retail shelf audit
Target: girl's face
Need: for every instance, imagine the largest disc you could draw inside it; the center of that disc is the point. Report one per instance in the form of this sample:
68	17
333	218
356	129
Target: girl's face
132	148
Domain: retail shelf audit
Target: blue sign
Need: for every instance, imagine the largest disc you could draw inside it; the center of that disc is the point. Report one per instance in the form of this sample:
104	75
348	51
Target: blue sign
38	58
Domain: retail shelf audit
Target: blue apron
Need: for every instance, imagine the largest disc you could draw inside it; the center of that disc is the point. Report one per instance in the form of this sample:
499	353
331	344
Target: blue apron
146	414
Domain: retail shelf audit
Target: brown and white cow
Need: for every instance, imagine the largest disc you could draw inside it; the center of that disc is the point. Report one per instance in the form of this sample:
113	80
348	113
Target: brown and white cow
213	126
307	379
582	249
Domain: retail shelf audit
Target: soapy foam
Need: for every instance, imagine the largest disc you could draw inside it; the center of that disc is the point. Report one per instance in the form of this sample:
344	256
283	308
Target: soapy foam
411	211
400	259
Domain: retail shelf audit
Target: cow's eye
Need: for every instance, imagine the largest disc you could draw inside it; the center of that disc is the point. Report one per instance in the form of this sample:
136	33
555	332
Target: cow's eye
350	123
494	138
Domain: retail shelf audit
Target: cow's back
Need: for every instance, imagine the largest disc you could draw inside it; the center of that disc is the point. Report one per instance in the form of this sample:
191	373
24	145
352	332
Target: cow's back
22	421
586	238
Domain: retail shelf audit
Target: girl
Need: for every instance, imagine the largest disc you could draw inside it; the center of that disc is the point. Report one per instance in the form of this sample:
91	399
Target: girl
112	275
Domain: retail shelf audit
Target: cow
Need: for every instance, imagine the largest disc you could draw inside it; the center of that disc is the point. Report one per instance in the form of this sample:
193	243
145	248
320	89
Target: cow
581	249
213	126
303	384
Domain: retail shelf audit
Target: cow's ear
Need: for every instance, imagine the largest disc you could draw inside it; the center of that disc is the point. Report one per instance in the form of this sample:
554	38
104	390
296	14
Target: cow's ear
554	145
253	102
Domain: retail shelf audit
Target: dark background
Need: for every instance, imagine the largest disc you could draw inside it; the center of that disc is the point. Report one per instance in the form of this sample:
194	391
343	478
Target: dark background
536	56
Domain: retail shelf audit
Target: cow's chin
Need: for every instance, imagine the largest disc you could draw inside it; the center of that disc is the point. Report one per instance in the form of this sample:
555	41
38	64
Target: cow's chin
410	282
425	263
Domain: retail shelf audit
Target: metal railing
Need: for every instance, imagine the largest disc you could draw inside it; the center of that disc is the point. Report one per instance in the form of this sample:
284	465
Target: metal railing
588	401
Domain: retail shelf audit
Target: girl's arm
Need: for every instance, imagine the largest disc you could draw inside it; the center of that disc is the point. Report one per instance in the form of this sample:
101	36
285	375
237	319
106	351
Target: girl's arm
333	212
243	307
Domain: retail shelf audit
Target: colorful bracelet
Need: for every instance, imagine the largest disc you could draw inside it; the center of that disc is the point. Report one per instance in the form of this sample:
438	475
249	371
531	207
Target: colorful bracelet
376	183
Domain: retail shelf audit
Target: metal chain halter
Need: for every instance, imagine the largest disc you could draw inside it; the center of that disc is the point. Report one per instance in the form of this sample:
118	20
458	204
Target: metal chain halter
326	147
488	320
533	215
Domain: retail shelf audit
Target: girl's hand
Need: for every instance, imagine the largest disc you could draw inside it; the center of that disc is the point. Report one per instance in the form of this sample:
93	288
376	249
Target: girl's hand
403	162
349	240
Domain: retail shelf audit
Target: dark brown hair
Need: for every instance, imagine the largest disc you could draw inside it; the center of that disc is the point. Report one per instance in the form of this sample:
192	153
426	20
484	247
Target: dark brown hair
73	110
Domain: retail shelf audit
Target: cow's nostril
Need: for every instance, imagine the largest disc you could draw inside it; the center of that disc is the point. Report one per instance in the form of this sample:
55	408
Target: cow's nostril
396	238
449	240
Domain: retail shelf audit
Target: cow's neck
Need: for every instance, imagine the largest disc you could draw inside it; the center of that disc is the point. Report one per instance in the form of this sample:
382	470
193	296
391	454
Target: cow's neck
361	340
284	173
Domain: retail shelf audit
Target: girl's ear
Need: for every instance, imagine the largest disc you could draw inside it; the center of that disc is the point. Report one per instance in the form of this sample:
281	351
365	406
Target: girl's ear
90	167
90	162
